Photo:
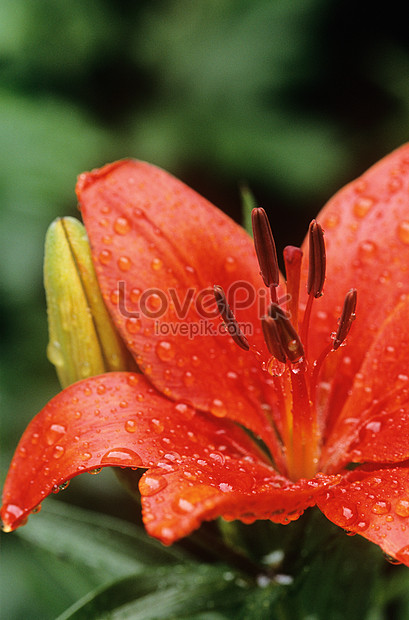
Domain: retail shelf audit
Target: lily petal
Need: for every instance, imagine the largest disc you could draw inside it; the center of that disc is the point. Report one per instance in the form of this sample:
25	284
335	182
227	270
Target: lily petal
373	502
374	424
159	248
200	467
367	237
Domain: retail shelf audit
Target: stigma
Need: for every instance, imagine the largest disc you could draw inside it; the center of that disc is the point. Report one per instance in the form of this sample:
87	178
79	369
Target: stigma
286	333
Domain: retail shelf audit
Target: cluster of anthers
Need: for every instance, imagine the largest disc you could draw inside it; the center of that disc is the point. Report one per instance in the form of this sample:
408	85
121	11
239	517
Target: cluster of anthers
296	376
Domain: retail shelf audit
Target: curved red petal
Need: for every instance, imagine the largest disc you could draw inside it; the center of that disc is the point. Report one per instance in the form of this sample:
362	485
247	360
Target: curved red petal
373	502
198	467
374	424
367	237
159	248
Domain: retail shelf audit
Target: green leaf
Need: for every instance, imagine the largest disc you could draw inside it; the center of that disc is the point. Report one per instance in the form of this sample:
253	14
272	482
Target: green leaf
109	547
177	592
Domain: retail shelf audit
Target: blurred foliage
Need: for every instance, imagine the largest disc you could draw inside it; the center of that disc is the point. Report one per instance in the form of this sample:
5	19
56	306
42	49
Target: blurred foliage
292	98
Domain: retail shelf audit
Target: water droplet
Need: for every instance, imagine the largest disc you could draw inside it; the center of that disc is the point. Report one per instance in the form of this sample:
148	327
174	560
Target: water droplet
362	205
60	487
157	425
331	220
195	361
153	302
124	263
95	471
186	410
183	506
188	378
123	404
367	250
114	297
345	514
54	354
394	185
122	226
218	408
107	239
133	325
124	457
133	380
135	295
402	508
11	512
381	508
101	389
156	264
391	559
130	426
165	351
58	452
403	231
150	484
105	256
54	433
230	264
403	554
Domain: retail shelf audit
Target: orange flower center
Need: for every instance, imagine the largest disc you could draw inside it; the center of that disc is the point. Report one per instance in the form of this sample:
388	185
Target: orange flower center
296	376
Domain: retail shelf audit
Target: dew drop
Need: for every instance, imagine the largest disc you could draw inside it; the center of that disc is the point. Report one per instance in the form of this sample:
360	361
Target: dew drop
130	426
185	409
105	256
124	263
11	512
402	508
153	302
403	231
132	380
54	433
122	226
165	351
156	264
403	554
133	325
101	389
218	408
182	505
367	250
362	205
54	354
150	484
60	487
188	378
156	425
381	508
124	457
135	295
230	264
58	452
95	471
331	221
195	361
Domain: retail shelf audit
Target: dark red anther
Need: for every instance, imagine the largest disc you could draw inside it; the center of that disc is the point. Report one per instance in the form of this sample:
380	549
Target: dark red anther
272	338
265	247
280	336
229	319
317	260
347	316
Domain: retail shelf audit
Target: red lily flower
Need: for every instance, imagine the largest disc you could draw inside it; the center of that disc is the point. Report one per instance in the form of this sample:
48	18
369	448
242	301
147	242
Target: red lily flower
317	406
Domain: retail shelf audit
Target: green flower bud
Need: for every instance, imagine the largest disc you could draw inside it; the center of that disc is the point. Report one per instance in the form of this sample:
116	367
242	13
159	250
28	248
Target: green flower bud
83	341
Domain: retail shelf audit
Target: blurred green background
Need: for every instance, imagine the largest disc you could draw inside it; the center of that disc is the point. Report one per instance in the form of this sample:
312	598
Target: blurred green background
293	97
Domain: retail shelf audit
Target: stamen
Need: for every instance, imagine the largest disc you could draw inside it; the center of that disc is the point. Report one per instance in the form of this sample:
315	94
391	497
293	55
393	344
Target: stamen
265	249
229	319
317	262
272	338
285	337
347	316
